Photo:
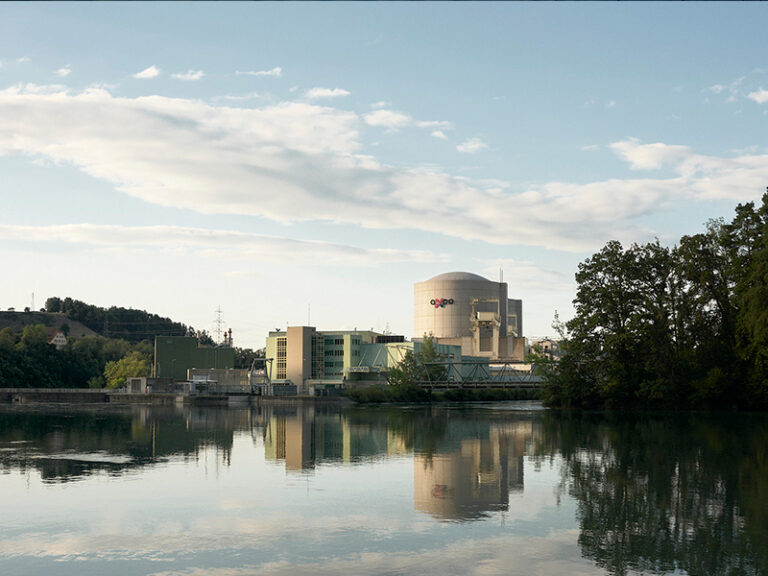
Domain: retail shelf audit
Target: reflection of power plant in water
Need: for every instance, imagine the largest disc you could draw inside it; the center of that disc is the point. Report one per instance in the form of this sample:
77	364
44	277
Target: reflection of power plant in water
303	438
471	470
474	479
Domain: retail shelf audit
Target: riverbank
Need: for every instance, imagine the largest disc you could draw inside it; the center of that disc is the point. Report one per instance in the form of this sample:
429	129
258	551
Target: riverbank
395	394
352	396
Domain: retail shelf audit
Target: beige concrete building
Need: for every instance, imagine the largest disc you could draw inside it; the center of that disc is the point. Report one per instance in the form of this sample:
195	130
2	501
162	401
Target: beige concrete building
467	310
475	479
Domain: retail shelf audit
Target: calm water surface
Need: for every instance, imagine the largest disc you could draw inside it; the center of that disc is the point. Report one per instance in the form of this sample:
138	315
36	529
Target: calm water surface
490	489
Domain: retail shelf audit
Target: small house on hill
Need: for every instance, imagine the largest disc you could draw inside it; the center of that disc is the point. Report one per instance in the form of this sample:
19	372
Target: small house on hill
57	338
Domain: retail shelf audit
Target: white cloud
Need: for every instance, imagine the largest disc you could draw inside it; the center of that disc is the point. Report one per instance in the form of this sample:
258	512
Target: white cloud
239	97
387	119
732	88
151	72
760	96
440	134
441	124
296	161
471	145
243	245
64	72
189	75
648	156
590	148
275	72
23	59
315	93
610	104
381	104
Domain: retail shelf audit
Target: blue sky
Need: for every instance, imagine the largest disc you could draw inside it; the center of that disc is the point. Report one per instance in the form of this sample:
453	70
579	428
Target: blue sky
292	160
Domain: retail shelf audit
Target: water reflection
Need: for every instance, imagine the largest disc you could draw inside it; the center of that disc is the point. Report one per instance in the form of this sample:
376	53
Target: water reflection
71	443
474	478
664	493
626	495
463	467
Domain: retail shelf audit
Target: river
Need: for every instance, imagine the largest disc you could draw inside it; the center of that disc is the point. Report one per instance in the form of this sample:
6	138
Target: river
486	489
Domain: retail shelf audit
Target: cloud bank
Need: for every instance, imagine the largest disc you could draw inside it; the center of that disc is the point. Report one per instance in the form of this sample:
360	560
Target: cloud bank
242	244
298	161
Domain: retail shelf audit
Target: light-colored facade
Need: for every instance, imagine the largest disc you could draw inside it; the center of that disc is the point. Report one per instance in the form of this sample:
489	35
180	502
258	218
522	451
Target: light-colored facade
60	341
307	357
472	312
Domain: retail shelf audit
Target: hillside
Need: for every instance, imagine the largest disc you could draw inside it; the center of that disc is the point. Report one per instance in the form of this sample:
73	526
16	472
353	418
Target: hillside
117	322
16	321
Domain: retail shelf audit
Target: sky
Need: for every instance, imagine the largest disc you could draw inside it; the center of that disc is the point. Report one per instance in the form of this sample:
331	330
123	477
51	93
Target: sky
307	163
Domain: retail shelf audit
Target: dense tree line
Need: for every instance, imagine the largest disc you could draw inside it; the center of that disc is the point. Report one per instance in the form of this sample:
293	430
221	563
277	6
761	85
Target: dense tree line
27	360
671	327
123	323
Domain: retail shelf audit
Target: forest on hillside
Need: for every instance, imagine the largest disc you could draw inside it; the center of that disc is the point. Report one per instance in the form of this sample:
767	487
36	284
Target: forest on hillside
123	323
123	348
680	327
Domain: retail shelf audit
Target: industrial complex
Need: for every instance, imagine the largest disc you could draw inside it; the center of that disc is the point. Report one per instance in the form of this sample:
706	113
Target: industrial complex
471	322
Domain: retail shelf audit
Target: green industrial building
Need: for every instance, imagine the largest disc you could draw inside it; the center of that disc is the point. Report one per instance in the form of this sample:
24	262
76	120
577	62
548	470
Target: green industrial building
175	355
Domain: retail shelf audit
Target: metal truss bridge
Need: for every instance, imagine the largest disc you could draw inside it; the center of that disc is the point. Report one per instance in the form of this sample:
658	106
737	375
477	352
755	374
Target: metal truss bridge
453	375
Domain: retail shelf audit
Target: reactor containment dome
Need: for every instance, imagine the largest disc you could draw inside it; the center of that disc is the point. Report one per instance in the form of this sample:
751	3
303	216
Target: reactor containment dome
469	310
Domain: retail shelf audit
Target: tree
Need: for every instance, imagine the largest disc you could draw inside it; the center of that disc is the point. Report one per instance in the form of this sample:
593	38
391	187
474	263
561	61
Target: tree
34	335
686	326
419	367
7	339
134	364
244	357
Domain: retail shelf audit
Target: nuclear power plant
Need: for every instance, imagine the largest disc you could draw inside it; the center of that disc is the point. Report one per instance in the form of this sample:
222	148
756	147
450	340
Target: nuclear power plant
467	310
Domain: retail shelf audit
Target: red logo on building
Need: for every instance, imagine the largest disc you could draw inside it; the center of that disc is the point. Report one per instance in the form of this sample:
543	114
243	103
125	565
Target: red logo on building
441	302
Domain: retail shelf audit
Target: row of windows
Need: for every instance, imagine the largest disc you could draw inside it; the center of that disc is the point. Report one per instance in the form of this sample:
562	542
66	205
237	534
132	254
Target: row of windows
334	353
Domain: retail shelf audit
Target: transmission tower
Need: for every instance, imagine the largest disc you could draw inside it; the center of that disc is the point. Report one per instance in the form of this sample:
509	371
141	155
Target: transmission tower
219	324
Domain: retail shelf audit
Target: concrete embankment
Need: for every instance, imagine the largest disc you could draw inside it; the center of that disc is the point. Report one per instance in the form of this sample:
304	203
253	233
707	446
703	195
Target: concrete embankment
53	395
86	396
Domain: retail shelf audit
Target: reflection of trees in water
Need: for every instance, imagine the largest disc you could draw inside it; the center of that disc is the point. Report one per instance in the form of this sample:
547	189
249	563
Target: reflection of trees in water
663	493
65	443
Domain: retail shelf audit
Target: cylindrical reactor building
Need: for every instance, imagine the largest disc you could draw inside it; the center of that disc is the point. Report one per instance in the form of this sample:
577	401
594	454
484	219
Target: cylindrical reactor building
470	311
446	306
